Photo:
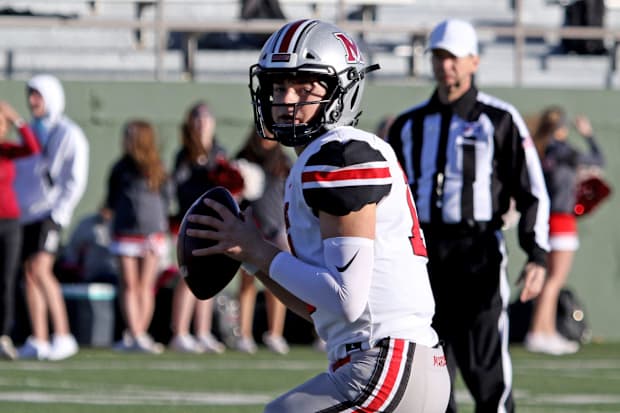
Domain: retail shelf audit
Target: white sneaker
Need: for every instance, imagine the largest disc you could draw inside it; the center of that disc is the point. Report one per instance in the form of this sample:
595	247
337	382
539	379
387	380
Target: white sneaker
246	345
210	344
7	349
552	344
277	344
185	344
34	349
63	347
145	344
568	346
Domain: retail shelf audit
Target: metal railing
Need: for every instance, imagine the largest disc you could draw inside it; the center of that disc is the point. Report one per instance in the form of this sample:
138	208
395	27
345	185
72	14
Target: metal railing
161	25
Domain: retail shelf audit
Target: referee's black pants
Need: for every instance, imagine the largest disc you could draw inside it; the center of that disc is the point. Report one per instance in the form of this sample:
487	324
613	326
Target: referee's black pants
468	277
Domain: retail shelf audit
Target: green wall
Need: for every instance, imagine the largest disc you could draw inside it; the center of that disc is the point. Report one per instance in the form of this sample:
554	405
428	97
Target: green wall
102	107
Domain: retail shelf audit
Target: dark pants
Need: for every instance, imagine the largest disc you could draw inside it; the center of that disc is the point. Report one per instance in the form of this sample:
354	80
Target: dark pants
10	245
468	277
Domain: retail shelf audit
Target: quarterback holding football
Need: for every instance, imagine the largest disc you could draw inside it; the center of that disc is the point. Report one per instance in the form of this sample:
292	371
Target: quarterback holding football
357	266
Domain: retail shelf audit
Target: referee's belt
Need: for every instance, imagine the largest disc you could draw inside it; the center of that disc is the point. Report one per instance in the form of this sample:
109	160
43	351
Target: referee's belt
468	227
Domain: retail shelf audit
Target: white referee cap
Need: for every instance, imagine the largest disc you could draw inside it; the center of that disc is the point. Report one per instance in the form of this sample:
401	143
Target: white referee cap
456	36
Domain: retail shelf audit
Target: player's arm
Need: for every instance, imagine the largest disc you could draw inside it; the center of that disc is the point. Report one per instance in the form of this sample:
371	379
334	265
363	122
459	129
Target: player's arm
296	305
343	182
341	285
241	240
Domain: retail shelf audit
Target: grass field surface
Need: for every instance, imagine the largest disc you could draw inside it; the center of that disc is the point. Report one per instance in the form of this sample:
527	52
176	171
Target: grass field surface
102	381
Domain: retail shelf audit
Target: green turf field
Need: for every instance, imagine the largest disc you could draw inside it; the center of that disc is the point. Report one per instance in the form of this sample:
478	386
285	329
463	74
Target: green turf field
105	381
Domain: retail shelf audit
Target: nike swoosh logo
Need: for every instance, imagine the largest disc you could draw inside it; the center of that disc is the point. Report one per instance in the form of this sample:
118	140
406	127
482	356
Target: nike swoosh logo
348	264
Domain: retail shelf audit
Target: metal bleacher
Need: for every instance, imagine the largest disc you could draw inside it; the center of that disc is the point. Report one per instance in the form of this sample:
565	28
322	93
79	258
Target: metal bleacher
164	39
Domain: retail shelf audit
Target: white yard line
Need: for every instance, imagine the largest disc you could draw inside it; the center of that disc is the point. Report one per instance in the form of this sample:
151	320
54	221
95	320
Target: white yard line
154	398
159	398
192	365
67	391
524	398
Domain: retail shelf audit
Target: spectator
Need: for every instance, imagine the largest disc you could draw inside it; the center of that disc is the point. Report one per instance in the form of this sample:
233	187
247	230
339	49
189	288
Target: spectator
259	9
560	161
466	154
200	165
138	196
10	230
49	186
184	305
357	266
268	212
584	14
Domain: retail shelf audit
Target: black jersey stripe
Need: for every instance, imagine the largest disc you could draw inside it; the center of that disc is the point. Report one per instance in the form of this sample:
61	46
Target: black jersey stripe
344	154
469	177
344	177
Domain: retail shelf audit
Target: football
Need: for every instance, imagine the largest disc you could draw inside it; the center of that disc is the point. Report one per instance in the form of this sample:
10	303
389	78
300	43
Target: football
207	275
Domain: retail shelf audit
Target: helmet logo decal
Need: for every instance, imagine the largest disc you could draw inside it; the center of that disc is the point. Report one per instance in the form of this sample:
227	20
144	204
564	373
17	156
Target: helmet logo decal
352	53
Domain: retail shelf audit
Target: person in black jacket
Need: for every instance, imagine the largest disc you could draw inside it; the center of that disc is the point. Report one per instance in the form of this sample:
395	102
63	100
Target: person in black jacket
268	212
466	154
200	164
584	13
138	195
259	9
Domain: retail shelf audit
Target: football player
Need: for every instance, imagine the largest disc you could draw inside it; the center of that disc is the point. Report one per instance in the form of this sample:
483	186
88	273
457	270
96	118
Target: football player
357	266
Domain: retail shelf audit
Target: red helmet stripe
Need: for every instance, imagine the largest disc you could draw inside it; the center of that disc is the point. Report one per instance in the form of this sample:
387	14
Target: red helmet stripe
288	36
292	34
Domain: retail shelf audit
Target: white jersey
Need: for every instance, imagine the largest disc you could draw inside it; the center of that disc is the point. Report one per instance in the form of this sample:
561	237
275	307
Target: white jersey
339	172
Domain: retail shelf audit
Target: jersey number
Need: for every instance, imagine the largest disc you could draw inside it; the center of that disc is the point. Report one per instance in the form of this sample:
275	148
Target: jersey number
416	239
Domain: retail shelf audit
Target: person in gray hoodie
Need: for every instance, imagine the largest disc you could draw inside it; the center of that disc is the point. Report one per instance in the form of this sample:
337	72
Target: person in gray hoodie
49	186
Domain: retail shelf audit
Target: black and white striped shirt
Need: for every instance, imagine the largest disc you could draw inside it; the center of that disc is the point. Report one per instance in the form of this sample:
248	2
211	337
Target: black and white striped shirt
466	160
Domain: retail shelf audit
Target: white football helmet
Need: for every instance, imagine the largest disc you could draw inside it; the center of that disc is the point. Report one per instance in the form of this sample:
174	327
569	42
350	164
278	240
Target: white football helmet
309	48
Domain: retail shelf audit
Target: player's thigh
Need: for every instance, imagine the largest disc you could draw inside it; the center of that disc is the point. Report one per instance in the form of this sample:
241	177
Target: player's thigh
428	390
312	396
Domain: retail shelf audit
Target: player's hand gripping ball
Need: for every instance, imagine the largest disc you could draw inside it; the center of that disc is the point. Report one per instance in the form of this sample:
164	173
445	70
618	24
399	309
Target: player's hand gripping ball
206	275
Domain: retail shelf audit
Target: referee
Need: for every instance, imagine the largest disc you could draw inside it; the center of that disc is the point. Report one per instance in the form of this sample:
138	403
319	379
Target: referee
466	154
